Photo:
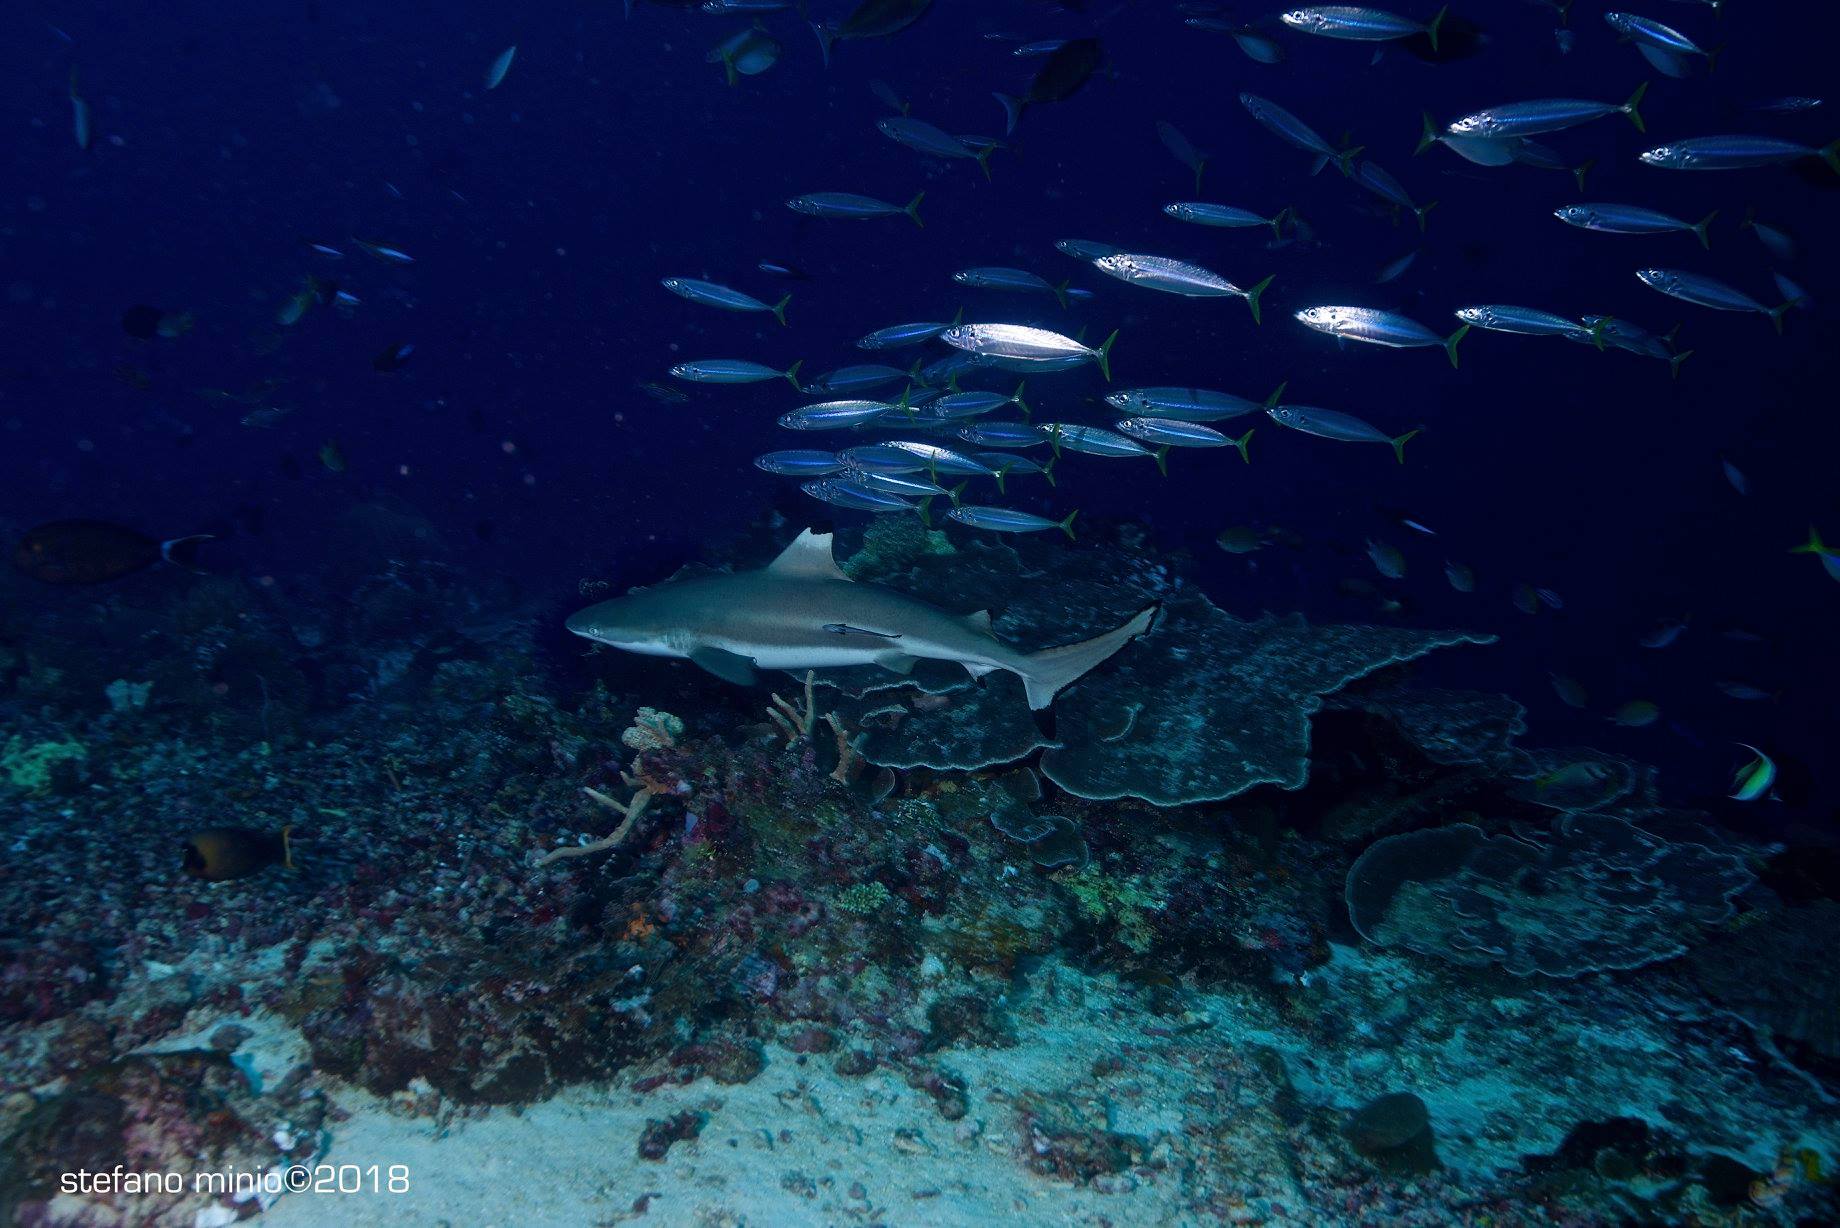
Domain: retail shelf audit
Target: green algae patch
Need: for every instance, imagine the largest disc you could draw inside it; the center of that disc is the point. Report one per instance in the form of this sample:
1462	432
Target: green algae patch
36	767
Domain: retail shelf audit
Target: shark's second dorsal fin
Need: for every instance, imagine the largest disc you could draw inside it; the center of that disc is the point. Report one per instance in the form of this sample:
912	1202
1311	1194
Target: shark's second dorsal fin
808	558
979	621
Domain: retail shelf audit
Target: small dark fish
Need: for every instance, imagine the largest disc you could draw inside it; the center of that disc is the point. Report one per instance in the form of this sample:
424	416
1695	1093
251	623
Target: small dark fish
779	268
393	358
95	552
145	323
1060	77
663	393
218	854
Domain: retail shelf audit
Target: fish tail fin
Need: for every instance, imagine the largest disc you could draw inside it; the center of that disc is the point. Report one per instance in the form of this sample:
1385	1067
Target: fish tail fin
1399	443
1630	108
183	551
792	375
1830	154
958	490
1581	170
983	160
1674	362
1276	393
1046	673
1000	474
1104	353
1161	456
924	510
1421	211
1597	332
1054	440
728	68
1776	314
779	309
1814	545
1060	292
1012	111
1431	27
1200	167
826	37
1427	136
1345	160
1316	166
1017	401
1277	222
1243	444
1047	470
1450	343
1252	298
1699	229
1066	523
913	209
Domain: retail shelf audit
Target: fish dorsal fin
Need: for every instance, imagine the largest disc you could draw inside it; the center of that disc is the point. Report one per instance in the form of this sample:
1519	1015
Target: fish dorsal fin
808	558
979	621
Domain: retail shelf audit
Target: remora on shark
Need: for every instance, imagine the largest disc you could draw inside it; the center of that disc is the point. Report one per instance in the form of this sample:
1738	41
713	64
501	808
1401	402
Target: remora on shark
801	612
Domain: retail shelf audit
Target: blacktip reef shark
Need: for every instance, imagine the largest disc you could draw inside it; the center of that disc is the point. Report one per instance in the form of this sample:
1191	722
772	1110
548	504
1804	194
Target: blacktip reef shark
800	612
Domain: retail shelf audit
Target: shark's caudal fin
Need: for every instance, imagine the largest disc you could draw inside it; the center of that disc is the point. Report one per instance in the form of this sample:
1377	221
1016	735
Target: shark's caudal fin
1045	673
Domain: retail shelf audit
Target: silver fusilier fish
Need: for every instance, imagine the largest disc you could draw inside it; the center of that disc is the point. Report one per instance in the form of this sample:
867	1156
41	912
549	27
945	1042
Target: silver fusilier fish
1372	327
1731	153
734	371
1665	48
1204	213
1333	424
834	415
1178	277
1526	321
847	493
1519	119
1357	23
919	135
1003	434
897	336
1631	220
1187	404
1091	440
994	278
850	206
1166	433
1380	182
709	294
1289	128
798	462
1008	520
1020	347
1706	291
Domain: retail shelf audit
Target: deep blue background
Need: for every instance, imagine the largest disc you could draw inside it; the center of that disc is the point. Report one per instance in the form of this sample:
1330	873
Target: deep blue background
542	215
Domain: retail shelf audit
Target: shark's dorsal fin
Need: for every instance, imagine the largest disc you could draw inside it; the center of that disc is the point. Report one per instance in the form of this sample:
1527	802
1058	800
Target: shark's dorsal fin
808	558
979	621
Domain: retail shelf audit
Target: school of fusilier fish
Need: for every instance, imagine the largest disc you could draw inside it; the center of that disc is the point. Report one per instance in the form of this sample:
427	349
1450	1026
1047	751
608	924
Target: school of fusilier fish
949	437
916	433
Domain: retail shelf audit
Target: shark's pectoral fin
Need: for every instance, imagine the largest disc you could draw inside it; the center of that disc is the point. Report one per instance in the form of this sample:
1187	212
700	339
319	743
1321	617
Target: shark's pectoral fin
897	662
728	666
979	621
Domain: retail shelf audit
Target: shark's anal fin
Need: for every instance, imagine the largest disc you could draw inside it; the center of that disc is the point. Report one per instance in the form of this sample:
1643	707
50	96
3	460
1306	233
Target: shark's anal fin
728	666
897	662
807	558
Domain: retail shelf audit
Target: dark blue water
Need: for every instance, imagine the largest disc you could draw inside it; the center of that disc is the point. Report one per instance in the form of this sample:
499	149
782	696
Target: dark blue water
542	215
